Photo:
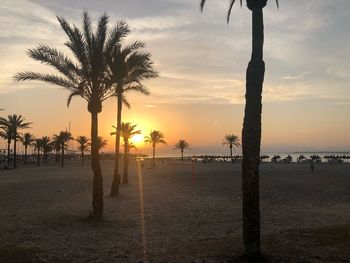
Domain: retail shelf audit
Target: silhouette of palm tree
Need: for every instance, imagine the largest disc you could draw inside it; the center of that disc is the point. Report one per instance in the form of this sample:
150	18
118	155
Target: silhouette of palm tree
101	143
251	134
46	147
62	139
14	123
127	131
7	134
232	141
83	146
182	145
84	77
129	66
155	137
27	139
38	144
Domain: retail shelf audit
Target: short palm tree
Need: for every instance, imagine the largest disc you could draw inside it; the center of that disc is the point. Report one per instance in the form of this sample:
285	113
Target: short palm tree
127	131
231	141
15	123
62	139
101	143
7	134
83	146
38	145
27	139
251	134
46	147
129	66
84	76
182	145
155	137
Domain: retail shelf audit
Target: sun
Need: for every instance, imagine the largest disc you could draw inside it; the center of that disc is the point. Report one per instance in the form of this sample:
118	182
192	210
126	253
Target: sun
137	138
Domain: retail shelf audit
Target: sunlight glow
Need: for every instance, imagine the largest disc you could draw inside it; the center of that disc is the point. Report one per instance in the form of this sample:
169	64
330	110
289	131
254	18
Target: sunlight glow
137	138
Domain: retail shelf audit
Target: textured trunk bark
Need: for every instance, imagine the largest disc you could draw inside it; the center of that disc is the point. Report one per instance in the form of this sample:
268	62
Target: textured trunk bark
116	175
25	154
14	153
126	163
97	188
251	138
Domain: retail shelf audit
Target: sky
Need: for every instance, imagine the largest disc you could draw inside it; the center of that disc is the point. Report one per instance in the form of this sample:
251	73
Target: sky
201	61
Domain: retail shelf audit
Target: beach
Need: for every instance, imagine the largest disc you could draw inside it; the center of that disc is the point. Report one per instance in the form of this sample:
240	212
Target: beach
182	217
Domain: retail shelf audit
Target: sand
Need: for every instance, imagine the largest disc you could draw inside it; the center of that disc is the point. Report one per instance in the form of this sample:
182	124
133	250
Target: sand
44	214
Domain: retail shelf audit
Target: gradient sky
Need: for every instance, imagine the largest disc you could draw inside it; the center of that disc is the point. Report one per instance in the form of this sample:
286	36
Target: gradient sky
201	60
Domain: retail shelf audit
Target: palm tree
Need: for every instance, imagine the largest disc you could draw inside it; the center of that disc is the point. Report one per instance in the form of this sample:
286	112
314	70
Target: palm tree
83	146
38	145
46	147
232	141
155	137
62	138
127	131
84	76
101	143
15	123
251	134
182	145
129	66
7	134
27	140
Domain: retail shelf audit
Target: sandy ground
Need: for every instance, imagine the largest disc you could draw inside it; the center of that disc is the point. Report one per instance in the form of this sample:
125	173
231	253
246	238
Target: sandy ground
44	213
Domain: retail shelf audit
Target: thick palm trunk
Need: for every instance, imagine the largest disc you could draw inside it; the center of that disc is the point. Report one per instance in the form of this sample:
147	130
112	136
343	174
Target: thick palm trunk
97	188
126	163
231	155
14	153
25	154
116	175
251	139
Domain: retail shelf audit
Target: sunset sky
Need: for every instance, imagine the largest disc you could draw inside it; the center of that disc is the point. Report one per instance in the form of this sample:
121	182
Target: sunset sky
201	60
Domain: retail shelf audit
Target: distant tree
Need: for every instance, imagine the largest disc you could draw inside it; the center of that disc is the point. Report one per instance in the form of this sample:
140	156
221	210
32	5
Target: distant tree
27	139
155	137
56	146
101	143
182	145
15	123
129	66
84	76
62	139
232	141
46	147
38	145
83	146
7	134
127	131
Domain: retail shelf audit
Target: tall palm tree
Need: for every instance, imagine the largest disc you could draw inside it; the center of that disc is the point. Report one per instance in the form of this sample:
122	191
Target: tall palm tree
83	142
129	66
84	76
27	140
62	138
7	134
15	123
127	131
232	141
46	147
182	145
38	145
251	133
155	137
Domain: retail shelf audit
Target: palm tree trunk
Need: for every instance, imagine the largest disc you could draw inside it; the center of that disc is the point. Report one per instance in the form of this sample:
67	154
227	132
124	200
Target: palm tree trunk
182	155
126	163
82	158
97	191
154	155
14	152
25	154
62	155
116	175
38	158
8	152
231	153
251	139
